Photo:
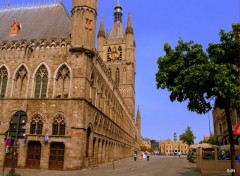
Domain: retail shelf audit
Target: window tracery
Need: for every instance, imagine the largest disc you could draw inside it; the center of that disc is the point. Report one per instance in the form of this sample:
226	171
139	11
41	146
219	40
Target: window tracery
21	81
36	125
41	81
63	82
3	81
58	126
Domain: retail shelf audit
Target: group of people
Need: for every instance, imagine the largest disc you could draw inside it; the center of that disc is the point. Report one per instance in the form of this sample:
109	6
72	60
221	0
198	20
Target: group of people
135	156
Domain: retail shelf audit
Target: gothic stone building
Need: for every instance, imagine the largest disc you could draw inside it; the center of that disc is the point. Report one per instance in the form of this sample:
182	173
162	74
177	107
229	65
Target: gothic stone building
72	105
220	125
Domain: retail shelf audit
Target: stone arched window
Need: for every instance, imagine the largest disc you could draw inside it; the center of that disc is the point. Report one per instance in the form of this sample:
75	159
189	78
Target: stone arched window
89	130
124	75
110	72
3	81
58	126
117	77
109	53
120	53
92	89
41	82
36	125
63	82
21	79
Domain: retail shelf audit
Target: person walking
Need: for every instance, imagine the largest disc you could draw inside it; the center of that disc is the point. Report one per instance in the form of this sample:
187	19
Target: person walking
135	156
148	156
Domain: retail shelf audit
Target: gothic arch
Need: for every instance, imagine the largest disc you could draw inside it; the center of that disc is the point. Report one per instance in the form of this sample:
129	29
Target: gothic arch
43	119
124	75
20	81
4	80
34	78
120	53
56	85
117	79
59	124
61	114
38	113
89	132
108	53
36	124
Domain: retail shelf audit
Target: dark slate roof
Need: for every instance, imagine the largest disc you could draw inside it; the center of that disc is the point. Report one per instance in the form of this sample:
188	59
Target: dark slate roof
117	31
37	22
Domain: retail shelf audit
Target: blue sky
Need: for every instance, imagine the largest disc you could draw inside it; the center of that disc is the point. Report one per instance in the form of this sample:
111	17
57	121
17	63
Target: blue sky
156	22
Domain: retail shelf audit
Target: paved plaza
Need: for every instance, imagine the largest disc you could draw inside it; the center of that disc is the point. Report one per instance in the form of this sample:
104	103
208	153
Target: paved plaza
158	165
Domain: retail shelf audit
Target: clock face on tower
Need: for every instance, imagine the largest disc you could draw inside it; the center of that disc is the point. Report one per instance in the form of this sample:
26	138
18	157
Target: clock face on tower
114	55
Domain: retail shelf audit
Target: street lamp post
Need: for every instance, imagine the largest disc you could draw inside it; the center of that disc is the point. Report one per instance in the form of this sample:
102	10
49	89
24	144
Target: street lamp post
5	154
18	123
12	171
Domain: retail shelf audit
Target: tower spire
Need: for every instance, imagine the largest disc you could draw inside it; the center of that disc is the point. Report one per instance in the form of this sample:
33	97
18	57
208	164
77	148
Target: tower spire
138	120
129	29
101	32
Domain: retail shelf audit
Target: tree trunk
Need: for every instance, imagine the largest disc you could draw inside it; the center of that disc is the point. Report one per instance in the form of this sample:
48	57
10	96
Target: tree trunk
232	149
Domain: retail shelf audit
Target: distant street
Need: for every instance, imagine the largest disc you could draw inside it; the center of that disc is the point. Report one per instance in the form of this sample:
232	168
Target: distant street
158	165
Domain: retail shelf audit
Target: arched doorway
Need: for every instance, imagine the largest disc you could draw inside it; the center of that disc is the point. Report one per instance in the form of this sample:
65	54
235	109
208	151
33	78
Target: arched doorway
89	130
16	130
56	159
33	155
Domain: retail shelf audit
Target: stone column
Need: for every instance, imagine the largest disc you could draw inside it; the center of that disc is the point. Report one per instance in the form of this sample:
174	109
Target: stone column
216	153
103	151
96	149
45	154
22	154
99	151
2	148
90	147
106	151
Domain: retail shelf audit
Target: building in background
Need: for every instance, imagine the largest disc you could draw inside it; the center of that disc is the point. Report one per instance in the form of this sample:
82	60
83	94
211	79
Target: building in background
146	144
74	103
169	147
205	139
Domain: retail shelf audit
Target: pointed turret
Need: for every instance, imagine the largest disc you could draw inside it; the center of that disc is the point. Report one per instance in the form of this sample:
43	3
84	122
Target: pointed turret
101	32
129	36
107	34
101	38
83	24
129	29
138	120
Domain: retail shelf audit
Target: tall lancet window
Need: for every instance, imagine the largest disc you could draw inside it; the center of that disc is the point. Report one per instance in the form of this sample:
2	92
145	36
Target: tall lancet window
108	54
110	72
62	82
117	77
120	53
20	86
41	82
3	81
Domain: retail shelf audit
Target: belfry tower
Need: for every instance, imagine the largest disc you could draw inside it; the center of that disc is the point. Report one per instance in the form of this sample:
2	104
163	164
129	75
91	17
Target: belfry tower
117	49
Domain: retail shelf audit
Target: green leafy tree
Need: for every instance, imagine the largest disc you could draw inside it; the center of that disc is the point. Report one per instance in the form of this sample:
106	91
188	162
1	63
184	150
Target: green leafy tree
199	77
187	136
213	140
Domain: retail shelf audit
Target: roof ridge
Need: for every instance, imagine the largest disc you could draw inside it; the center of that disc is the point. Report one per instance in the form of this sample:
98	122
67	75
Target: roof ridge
34	5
